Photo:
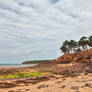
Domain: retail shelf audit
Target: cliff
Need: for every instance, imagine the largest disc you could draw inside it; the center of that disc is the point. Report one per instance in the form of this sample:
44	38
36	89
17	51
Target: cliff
79	57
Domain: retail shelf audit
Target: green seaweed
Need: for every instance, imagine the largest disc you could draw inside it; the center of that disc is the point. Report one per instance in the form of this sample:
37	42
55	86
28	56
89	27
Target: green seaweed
23	75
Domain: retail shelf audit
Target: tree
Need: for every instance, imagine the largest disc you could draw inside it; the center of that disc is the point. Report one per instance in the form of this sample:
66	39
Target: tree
65	47
78	50
83	42
90	41
73	45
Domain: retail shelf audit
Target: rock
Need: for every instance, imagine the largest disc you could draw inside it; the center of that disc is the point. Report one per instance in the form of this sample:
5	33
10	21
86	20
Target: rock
77	91
56	72
82	86
64	79
8	71
42	78
27	89
88	85
63	86
7	85
86	73
89	70
58	82
42	86
75	87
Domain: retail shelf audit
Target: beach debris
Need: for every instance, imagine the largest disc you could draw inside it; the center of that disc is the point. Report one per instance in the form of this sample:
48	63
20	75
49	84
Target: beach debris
42	86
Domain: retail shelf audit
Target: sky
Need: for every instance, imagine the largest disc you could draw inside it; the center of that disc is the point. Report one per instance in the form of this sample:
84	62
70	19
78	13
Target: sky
35	29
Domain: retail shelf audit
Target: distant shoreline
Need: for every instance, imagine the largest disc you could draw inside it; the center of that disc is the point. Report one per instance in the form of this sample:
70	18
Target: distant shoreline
37	61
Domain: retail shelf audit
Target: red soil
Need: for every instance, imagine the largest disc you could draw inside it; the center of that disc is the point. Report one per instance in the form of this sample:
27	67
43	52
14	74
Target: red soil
79	57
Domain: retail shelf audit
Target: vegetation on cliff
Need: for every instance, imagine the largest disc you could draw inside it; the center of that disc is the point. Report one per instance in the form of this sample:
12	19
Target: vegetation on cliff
72	46
36	61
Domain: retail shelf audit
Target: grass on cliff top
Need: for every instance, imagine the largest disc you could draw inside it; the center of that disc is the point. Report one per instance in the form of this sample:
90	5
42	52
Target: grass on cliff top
24	75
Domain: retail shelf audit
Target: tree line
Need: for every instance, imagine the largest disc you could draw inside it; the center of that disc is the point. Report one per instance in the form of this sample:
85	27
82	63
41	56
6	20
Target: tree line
73	46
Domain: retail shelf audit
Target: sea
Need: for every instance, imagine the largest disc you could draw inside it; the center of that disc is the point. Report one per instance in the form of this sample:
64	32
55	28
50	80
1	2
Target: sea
15	65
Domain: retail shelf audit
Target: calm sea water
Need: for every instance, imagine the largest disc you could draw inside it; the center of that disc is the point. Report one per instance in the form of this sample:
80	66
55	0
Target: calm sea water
16	65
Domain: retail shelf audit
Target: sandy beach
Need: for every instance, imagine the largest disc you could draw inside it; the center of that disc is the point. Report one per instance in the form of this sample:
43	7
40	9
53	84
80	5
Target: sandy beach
80	83
51	81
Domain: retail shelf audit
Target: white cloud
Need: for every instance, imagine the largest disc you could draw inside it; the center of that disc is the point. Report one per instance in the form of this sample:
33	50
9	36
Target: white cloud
35	29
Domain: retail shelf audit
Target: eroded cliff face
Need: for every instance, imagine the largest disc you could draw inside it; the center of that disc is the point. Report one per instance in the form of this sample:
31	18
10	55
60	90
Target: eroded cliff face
79	57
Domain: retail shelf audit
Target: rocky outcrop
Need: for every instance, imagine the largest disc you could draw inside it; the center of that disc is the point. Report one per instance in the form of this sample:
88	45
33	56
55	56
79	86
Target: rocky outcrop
79	57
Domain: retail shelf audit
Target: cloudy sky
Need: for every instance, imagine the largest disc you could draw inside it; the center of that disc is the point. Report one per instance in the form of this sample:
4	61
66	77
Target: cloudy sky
35	29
